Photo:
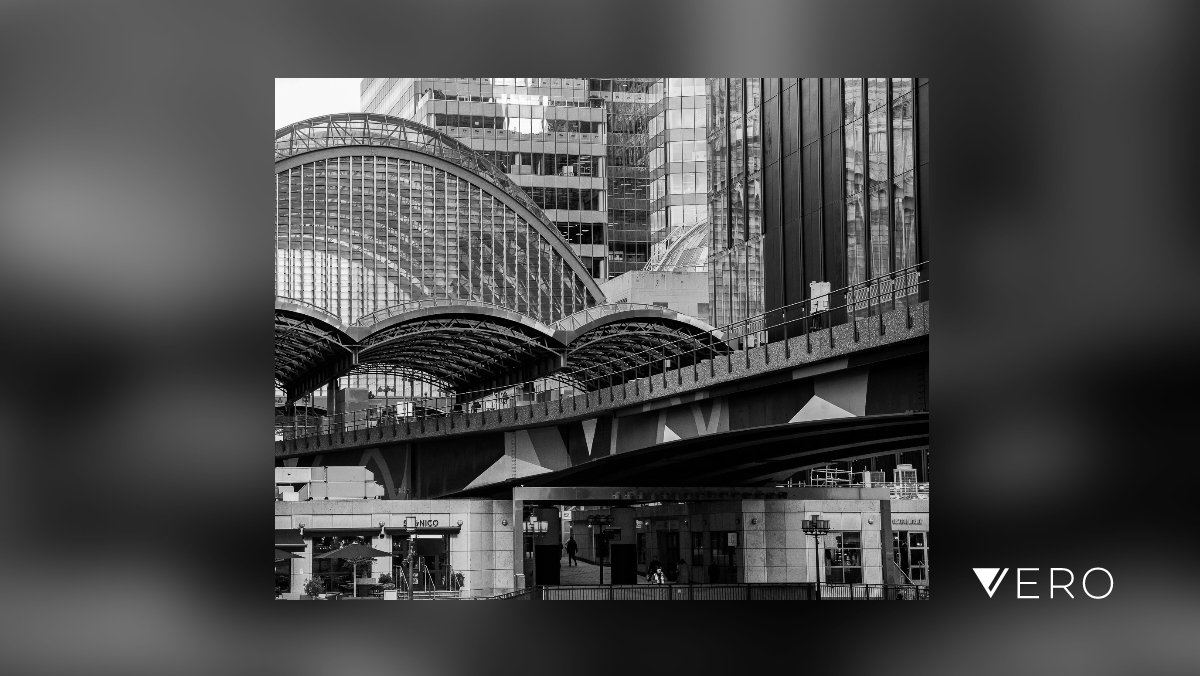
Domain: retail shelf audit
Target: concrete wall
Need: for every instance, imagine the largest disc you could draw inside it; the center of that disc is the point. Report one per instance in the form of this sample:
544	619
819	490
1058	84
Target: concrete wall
681	291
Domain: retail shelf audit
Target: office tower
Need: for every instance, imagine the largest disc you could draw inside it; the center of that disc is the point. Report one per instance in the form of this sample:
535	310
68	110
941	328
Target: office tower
576	145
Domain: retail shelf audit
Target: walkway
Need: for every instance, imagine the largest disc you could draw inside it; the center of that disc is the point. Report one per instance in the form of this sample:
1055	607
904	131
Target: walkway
586	574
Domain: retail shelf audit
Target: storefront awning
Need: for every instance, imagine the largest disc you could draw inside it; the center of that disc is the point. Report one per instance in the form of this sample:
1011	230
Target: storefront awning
443	530
289	539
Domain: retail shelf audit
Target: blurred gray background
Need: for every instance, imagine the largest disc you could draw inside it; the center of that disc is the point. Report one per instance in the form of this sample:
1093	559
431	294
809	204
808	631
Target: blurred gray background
134	168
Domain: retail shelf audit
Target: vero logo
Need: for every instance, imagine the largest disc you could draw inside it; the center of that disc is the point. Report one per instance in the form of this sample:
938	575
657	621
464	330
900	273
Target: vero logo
990	578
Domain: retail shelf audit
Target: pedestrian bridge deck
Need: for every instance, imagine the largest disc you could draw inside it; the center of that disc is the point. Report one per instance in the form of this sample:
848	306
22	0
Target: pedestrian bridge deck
898	326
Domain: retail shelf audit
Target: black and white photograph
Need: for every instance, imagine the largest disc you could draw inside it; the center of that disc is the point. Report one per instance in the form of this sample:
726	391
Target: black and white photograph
655	338
603	338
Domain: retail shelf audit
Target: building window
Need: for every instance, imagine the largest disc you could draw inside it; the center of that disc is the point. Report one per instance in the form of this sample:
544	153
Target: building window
697	549
910	551
843	557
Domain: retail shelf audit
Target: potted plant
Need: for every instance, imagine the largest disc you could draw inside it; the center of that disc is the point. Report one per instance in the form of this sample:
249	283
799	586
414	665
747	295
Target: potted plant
313	588
389	587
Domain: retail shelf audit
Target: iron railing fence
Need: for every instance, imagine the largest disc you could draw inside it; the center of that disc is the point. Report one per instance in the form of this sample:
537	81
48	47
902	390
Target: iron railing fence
859	303
796	591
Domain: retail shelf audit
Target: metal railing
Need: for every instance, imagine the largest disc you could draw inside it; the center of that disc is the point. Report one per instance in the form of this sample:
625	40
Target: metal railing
853	305
795	591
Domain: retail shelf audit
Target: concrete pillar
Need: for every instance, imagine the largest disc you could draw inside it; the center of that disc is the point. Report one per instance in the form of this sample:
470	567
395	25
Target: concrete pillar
302	568
625	518
382	564
518	512
331	397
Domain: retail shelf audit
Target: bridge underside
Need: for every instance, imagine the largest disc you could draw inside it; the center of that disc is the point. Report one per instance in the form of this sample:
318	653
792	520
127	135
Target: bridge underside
761	456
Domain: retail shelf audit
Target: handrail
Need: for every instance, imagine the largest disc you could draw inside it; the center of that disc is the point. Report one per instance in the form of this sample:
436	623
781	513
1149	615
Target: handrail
903	287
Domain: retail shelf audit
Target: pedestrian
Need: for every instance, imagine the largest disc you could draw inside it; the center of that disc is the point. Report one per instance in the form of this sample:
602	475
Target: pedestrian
572	547
654	572
684	576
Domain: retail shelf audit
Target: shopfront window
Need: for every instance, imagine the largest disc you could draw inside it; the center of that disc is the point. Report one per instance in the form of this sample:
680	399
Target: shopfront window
910	551
843	557
283	576
431	561
722	567
697	549
338	574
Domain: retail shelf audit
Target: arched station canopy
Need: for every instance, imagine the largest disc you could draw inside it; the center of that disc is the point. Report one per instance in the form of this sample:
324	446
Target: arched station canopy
374	211
466	346
610	339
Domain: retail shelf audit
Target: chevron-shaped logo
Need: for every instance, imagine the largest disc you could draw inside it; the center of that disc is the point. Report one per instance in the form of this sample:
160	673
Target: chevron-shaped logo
989	579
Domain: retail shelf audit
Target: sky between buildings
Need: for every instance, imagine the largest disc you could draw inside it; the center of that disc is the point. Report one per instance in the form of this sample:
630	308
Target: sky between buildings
298	99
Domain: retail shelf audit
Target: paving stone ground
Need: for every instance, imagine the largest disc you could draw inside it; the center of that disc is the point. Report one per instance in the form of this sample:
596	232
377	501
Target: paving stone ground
586	573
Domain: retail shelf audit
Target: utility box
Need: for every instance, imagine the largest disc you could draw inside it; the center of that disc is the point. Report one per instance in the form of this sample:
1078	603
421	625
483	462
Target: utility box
819	293
345	490
624	563
345	474
293	475
546	559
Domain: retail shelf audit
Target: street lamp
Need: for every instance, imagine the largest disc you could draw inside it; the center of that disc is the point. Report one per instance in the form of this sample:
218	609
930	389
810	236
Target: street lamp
600	520
818	528
385	389
410	525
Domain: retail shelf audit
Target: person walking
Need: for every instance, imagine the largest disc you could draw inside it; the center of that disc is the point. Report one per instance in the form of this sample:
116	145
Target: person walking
572	547
654	572
684	576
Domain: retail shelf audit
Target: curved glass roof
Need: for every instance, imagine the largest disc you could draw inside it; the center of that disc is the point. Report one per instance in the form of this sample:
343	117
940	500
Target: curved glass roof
466	346
371	129
685	249
360	228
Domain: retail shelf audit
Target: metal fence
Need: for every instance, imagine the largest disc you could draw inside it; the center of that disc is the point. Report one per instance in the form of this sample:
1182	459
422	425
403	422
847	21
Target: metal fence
856	305
724	592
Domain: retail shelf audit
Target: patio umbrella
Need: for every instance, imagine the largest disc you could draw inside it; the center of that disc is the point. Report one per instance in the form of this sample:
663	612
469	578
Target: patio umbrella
354	554
281	555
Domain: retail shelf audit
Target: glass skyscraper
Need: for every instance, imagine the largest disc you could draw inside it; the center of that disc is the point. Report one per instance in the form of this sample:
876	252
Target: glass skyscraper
735	198
813	180
678	163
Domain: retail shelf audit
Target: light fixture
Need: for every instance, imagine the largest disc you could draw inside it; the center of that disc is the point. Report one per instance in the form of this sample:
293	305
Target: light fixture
753	521
460	523
302	529
870	519
503	522
381	532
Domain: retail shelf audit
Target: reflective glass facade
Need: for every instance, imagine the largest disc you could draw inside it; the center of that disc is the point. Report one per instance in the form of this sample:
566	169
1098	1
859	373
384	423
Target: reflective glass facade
734	145
813	180
576	145
678	164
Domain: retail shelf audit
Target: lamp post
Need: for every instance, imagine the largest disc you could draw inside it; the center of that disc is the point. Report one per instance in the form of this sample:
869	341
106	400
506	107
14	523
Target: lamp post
600	520
410	525
818	528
